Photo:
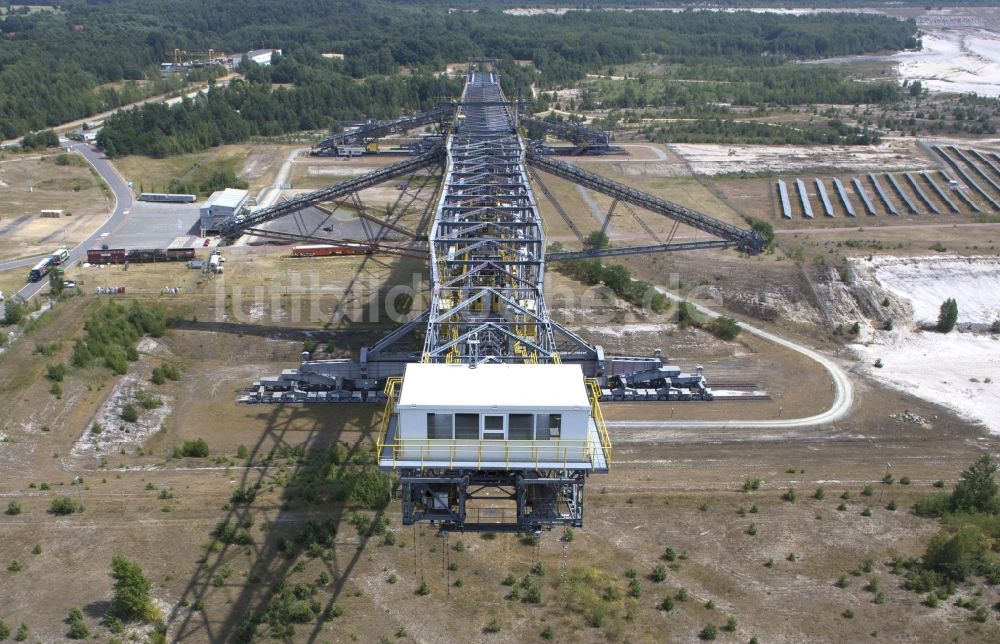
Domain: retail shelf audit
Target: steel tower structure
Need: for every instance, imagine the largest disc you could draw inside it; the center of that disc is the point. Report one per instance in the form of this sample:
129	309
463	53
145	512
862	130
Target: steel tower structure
487	263
487	247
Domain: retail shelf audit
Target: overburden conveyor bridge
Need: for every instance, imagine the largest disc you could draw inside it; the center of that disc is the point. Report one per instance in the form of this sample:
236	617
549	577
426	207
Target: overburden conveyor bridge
489	401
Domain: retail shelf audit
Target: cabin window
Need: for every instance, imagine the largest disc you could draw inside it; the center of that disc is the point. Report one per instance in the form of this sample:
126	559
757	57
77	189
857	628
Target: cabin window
439	425
467	426
548	426
493	428
555	425
521	427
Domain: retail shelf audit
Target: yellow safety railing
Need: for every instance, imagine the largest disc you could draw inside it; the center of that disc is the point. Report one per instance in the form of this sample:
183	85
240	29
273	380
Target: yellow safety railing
518	452
391	386
595	409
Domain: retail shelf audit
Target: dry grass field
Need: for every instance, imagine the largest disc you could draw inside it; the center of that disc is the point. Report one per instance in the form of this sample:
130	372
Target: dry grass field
30	184
678	489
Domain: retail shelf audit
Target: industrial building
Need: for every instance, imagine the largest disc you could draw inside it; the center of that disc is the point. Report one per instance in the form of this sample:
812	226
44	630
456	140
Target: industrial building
259	56
222	205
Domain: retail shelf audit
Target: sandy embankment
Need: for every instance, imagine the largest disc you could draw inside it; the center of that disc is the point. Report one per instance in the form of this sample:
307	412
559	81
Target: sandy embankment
960	370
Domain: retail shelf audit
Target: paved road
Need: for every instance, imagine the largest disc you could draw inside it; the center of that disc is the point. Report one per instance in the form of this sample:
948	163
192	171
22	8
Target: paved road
842	402
122	208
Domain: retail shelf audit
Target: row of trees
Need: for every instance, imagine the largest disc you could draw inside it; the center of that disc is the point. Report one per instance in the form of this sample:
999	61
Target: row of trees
252	107
51	64
729	131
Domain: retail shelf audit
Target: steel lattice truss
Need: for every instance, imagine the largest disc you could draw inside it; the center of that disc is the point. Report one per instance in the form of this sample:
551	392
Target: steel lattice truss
486	243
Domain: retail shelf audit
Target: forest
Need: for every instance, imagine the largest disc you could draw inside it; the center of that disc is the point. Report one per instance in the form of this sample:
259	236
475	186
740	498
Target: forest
58	66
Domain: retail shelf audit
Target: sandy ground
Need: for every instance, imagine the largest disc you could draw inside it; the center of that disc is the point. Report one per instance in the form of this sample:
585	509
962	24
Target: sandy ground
713	159
957	369
955	60
927	282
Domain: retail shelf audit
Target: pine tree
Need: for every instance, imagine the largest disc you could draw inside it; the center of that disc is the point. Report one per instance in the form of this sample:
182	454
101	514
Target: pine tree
947	316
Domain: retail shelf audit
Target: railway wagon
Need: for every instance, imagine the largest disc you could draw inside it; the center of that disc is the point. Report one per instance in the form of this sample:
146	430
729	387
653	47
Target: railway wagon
328	250
139	255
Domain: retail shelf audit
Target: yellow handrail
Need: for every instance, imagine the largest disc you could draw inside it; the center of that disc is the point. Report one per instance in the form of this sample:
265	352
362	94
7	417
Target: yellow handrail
514	451
595	409
391	385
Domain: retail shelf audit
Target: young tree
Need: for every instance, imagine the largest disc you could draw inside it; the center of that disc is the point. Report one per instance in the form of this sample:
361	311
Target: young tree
977	489
947	316
131	592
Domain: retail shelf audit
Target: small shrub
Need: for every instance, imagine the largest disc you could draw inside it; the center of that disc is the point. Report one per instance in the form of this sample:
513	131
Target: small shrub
62	505
493	626
932	505
669	554
842	582
842	507
892	505
197	448
423	590
56	372
939	483
129	413
509	580
15	566
878	363
13	508
709	632
731	625
710	605
751	485
789	495
4	630
846	495
538	568
769	563
459	546
77	628
754	509
392	579
868	565
791	556
659	573
905	480
848	614
667	604
888	479
867	512
819	494
752	530
868	491
22	633
681	595
547	633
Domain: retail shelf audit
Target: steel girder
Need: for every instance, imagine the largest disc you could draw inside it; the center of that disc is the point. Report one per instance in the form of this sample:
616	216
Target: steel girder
368	131
748	241
579	135
235	225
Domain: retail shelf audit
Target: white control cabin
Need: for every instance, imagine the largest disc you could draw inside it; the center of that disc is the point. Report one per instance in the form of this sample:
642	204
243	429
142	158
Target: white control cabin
493	416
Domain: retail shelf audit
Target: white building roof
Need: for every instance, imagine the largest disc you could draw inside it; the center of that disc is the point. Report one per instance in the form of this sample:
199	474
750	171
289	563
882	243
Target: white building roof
501	386
228	198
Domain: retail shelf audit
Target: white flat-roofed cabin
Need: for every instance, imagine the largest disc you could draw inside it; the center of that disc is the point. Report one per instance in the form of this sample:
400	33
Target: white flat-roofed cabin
504	416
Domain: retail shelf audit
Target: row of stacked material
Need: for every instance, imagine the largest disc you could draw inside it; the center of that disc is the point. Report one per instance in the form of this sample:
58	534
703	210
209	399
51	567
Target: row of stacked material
915	193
